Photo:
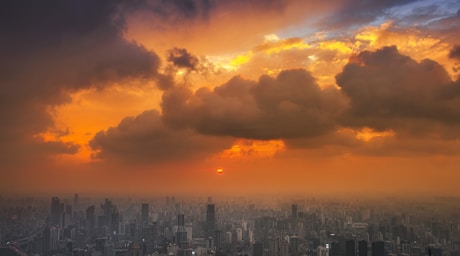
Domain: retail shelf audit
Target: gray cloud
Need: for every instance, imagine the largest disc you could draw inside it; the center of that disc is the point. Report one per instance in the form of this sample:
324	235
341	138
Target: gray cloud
388	90
288	106
52	49
455	52
181	58
144	139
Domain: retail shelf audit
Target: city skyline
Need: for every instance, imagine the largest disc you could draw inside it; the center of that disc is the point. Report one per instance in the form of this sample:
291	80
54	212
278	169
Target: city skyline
207	97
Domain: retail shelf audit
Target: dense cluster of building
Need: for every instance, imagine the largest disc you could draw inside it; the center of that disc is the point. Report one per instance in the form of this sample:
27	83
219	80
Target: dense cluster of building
237	227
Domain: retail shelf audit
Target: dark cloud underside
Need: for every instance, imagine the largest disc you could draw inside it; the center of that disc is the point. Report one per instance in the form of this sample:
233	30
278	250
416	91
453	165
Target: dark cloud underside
50	49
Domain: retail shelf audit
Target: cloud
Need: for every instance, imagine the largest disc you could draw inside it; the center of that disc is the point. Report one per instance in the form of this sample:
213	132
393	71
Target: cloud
145	139
455	52
354	13
181	58
288	106
388	90
52	49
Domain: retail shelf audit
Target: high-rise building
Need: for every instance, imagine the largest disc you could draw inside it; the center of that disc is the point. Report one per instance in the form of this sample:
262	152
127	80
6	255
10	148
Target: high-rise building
378	248
294	244
218	238
294	211
334	249
91	220
350	248
107	208
57	209
362	248
50	239
145	214
114	225
181	234
284	248
75	202
258	249
210	220
273	246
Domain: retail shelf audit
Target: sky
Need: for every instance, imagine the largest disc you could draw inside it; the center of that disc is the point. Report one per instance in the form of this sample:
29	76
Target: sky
152	97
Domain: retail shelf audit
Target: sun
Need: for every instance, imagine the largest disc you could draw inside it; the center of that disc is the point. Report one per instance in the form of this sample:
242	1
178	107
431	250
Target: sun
220	171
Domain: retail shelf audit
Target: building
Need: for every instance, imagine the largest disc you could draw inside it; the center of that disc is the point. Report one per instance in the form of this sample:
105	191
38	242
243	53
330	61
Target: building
294	211
145	214
362	248
334	249
378	248
57	210
273	246
258	249
350	248
181	234
91	220
284	248
210	220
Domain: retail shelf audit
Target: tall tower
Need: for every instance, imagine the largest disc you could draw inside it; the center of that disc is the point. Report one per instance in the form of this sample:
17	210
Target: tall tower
362	248
378	248
91	219
350	248
181	234
294	211
210	220
57	209
145	214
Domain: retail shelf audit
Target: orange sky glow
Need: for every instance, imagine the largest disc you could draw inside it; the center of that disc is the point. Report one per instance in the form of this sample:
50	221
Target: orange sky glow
285	97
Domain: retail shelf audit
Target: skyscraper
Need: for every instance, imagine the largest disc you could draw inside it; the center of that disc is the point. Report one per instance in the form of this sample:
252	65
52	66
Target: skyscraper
210	220
91	219
350	248
145	214
362	248
258	249
378	248
57	209
294	211
181	234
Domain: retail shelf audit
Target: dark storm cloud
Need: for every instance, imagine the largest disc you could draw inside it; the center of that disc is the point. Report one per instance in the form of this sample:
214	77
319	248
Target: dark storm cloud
179	10
288	106
144	139
181	58
455	52
50	49
388	90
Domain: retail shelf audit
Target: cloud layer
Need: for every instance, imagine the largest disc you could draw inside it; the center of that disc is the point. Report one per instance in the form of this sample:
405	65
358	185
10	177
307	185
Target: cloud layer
388	90
384	96
52	49
288	106
145	139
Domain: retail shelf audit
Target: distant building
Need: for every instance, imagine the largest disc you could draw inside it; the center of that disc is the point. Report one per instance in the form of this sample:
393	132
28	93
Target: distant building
57	210
294	211
273	246
91	220
378	248
145	214
334	249
210	220
350	248
181	234
362	248
258	249
284	248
